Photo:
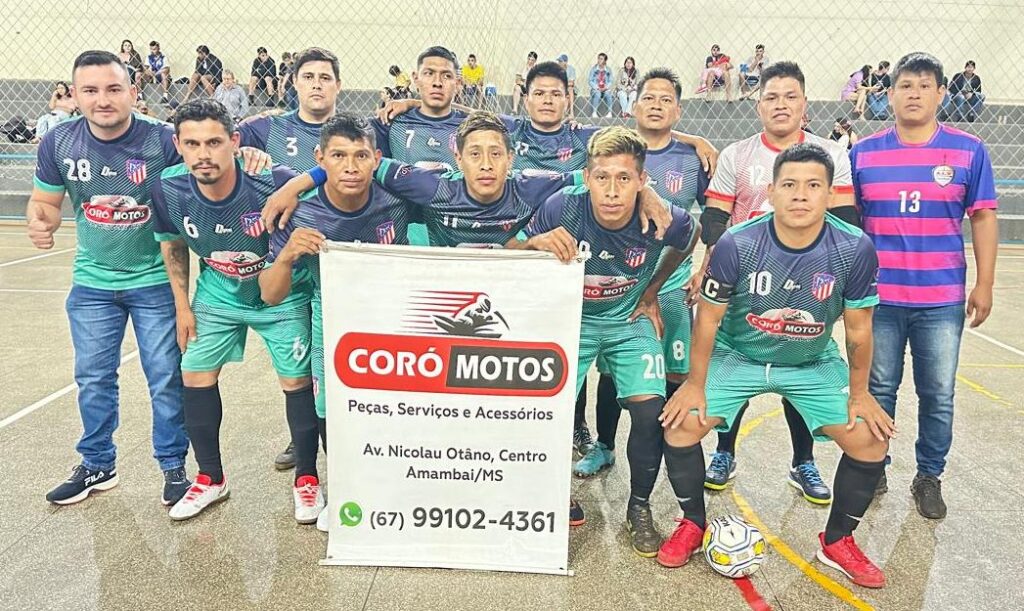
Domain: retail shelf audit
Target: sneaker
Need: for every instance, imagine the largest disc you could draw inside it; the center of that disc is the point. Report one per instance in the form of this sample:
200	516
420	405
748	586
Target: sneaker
323	521
720	471
82	481
176	484
882	486
164	97
645	538
581	440
576	515
201	495
309	500
684	542
593	115
608	116
845	557
593	462
286	459
927	491
806	478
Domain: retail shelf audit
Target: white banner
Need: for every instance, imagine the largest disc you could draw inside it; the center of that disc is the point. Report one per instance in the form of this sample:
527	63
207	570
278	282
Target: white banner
450	377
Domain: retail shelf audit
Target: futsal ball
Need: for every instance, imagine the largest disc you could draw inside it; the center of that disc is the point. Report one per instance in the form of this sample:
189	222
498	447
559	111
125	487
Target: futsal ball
733	547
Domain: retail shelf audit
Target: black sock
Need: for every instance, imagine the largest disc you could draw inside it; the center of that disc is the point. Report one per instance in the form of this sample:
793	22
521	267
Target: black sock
321	426
727	440
581	408
300	407
608	411
799	434
670	389
203	415
644	448
686	474
853	489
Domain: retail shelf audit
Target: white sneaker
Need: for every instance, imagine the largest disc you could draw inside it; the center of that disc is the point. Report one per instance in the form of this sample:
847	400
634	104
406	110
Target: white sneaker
323	521
608	116
593	115
309	500
201	495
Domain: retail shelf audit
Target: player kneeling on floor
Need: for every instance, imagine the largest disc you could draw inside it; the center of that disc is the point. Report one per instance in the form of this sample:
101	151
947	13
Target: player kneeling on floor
208	205
776	285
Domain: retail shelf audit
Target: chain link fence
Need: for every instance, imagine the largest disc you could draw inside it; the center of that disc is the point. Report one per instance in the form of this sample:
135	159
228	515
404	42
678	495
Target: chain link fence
830	42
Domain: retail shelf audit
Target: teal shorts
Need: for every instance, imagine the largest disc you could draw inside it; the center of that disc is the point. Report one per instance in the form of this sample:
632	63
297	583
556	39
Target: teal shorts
629	351
221	334
819	390
675	343
317	358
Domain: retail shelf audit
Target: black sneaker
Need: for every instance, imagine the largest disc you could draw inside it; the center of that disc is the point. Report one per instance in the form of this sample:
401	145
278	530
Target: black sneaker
806	478
176	484
286	459
882	486
640	523
581	440
81	483
927	491
576	516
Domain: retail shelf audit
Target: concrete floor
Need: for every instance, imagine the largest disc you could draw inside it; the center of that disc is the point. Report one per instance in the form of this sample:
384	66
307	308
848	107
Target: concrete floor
118	550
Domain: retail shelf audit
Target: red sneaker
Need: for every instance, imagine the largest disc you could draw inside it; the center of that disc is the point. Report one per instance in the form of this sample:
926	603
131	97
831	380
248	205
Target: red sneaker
683	543
846	557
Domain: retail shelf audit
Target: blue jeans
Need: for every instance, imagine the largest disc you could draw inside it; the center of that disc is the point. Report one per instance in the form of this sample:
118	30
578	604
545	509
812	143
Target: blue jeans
968	107
934	337
595	99
98	320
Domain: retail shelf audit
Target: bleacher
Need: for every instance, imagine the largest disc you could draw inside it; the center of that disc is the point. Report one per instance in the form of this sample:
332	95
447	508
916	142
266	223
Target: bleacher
999	125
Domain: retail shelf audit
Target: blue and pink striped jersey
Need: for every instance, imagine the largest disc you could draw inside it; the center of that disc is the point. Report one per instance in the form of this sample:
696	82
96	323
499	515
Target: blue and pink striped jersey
913	198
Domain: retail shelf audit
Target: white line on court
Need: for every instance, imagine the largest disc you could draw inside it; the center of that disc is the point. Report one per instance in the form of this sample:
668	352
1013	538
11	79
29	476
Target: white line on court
33	258
996	342
61	291
50	398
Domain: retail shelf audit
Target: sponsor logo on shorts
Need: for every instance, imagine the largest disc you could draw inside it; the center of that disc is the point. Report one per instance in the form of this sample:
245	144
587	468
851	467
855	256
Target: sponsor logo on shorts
606	288
788	322
234	264
115	211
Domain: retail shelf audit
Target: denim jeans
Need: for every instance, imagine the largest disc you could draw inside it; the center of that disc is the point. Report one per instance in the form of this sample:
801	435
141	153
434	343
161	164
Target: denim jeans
47	122
934	337
968	107
596	97
98	320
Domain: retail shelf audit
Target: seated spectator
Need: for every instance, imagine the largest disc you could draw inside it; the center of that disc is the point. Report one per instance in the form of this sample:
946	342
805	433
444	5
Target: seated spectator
627	86
570	75
157	70
402	89
876	99
716	74
263	76
750	72
965	90
142	108
209	72
856	89
62	106
232	97
843	133
600	81
285	86
473	82
519	90
133	60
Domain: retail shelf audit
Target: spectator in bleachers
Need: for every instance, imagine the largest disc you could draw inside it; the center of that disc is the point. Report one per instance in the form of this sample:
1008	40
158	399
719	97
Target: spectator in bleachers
856	89
965	91
570	73
157	70
263	76
473	82
843	133
285	86
133	60
750	72
61	105
627	87
877	93
600	81
716	74
519	90
142	108
401	89
209	72
232	97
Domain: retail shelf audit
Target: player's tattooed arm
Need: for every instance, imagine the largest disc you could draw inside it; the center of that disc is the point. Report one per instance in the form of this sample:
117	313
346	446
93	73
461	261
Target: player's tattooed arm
43	216
691	394
862	405
176	261
276	280
705	150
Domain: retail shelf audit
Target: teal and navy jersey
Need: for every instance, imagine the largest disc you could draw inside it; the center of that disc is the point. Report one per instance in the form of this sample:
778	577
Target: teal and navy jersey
227	236
622	261
383	220
562	151
783	302
414	138
454	218
677	175
286	138
109	183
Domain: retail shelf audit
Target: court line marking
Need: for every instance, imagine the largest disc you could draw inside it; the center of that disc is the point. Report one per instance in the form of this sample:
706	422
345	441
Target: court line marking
994	365
33	258
996	342
982	390
827	583
61	291
751	595
50	398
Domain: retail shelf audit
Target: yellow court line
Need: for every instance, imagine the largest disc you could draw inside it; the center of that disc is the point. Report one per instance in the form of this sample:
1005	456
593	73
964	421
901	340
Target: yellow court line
994	365
780	546
981	390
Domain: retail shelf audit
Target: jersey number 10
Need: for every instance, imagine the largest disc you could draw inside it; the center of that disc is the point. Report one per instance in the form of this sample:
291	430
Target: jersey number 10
760	283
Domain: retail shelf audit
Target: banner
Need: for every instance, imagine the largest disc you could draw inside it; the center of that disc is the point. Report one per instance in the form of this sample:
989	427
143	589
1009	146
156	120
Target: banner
450	377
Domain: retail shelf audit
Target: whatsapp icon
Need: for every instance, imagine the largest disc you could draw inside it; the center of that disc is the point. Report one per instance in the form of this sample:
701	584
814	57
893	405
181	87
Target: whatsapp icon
350	514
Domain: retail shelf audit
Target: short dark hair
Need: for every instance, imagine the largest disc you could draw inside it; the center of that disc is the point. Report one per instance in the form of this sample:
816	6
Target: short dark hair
347	125
604	55
970	64
154	43
261	50
201	109
317	54
551	69
471	56
481	121
437	51
759	46
782	70
667	74
883	64
532	54
97	58
804	153
918	62
203	49
394	70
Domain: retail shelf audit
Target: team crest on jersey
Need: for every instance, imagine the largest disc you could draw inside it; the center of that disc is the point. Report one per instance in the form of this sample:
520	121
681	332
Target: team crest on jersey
239	265
606	288
252	224
386	233
136	170
822	285
635	257
943	175
674	181
788	322
115	211
564	154
452	144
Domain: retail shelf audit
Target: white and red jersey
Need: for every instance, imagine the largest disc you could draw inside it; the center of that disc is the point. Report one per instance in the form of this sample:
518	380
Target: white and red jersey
745	171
